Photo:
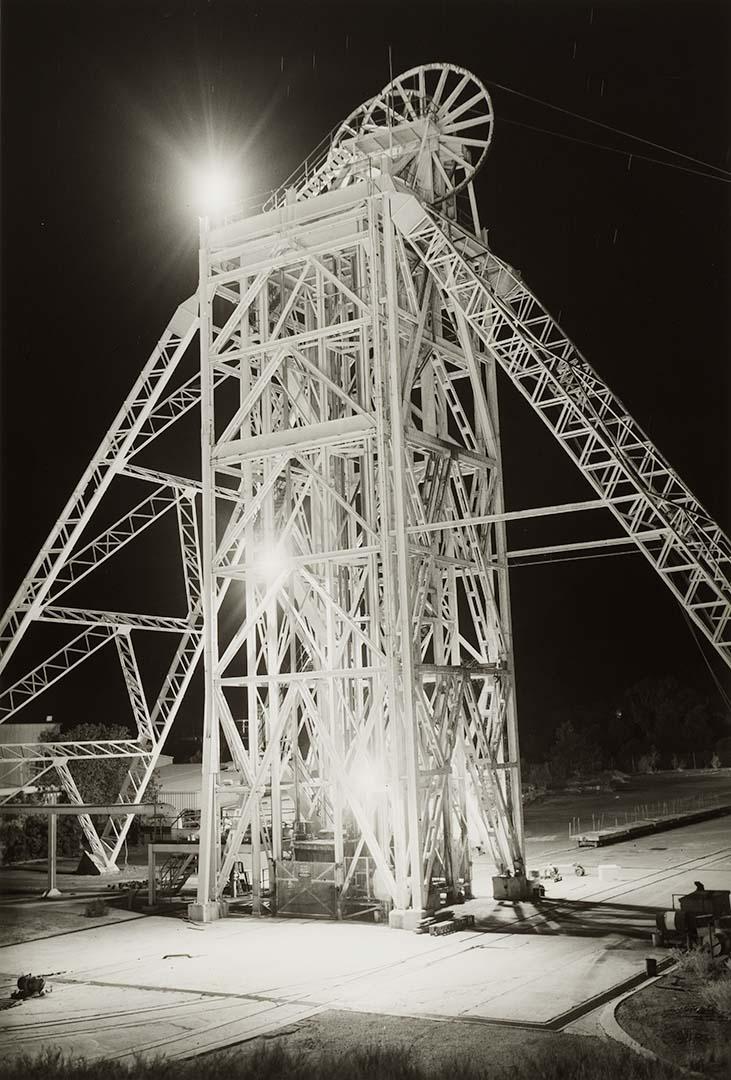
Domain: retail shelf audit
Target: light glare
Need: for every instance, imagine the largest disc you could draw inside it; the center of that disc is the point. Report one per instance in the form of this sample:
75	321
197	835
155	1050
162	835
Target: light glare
366	777
271	562
216	188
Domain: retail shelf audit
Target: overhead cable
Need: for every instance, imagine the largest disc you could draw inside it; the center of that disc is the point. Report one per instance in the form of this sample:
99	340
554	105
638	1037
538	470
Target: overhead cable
609	127
616	150
723	695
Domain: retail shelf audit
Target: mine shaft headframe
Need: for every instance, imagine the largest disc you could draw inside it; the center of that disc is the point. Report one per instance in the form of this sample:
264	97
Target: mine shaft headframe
434	123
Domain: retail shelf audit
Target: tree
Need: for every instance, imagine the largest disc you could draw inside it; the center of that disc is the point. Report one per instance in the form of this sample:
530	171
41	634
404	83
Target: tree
670	716
99	780
573	752
26	836
696	732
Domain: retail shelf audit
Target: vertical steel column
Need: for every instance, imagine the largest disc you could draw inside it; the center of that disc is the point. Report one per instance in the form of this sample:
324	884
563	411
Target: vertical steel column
252	701
206	907
515	800
52	889
408	715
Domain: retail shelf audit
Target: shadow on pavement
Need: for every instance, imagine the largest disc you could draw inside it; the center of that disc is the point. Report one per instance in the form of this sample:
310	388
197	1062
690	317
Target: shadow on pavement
575	918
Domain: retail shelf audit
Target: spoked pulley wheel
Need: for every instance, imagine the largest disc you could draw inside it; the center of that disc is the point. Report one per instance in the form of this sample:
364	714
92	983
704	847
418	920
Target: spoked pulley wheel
435	122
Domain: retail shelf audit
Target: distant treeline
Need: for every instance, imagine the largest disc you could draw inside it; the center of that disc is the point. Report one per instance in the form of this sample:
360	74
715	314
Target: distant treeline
656	724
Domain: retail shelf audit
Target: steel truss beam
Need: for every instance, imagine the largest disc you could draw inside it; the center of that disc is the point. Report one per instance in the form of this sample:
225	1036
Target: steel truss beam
63	563
343	555
610	449
110	456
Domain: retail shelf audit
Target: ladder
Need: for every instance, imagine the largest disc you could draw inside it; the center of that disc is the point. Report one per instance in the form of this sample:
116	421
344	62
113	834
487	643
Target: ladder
687	548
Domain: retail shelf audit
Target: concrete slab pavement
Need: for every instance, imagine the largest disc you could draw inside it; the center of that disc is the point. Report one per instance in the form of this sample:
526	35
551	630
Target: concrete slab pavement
124	1022
161	985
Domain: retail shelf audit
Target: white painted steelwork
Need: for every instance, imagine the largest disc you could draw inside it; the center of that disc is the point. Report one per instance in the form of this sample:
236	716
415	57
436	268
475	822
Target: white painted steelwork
346	572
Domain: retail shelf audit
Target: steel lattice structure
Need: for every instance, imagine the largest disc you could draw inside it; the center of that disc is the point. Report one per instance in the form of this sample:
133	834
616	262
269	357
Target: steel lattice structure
343	552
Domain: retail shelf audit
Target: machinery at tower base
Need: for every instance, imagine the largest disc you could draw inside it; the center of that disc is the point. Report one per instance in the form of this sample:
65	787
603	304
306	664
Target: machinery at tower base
343	550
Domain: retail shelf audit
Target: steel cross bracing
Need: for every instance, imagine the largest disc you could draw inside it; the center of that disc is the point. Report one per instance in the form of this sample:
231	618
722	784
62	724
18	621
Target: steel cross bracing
64	561
369	660
349	585
110	456
686	546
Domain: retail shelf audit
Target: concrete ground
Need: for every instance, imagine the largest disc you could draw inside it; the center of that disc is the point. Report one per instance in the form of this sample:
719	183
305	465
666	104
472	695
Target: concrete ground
144	985
161	984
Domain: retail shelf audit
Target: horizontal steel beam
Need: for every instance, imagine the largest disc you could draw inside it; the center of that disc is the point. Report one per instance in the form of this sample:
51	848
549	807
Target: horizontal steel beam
106	748
518	515
583	545
71	810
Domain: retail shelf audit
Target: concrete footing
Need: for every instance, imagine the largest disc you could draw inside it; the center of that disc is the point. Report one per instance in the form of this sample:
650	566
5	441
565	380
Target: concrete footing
515	888
208	912
405	918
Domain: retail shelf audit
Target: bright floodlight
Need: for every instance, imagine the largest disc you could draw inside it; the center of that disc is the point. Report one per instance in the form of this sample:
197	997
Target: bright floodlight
216	188
271	561
365	776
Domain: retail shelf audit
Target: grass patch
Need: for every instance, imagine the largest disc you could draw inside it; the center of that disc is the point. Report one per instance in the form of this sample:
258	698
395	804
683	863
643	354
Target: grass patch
699	965
583	1059
684	1017
717	995
712	1057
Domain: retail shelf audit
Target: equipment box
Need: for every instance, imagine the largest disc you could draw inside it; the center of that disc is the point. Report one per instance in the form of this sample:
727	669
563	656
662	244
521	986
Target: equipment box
706	902
515	888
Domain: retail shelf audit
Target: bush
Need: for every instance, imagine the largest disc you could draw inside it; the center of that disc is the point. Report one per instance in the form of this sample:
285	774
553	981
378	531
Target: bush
26	837
723	749
717	996
649	762
13	843
538	776
699	964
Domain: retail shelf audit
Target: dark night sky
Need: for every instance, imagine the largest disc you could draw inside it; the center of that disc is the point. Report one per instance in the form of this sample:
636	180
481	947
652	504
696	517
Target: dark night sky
104	101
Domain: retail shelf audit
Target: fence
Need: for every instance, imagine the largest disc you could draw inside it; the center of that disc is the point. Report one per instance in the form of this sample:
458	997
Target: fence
642	812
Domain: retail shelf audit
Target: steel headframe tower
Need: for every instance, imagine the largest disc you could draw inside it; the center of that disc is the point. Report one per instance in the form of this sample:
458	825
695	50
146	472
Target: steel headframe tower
350	440
343	557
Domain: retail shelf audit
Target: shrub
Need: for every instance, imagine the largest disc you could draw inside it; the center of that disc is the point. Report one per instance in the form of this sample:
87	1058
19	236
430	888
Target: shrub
26	837
536	775
723	749
699	964
13	843
95	908
649	762
717	995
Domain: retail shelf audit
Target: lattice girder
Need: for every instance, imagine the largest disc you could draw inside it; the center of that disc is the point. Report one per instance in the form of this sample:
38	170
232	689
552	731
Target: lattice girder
658	511
351	620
